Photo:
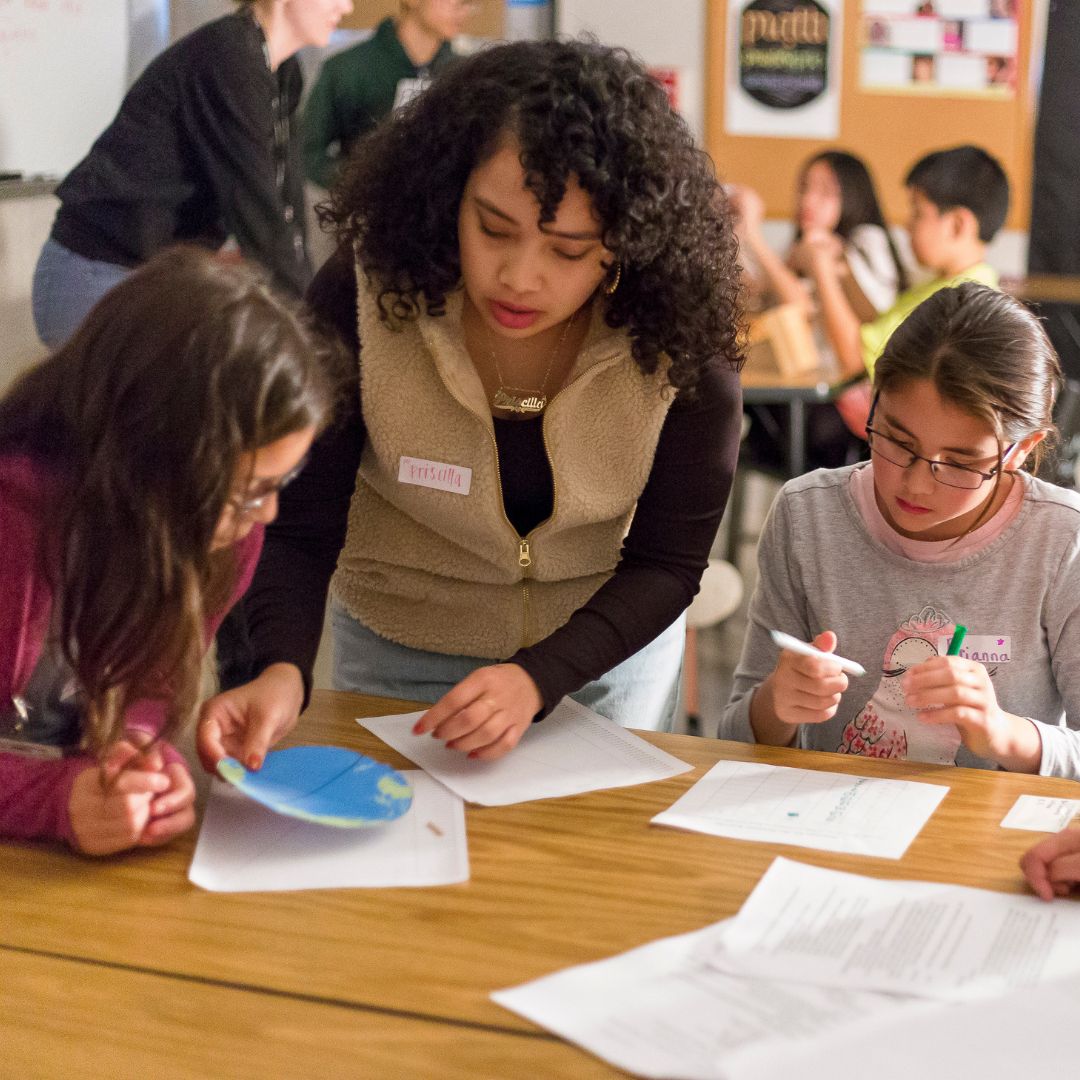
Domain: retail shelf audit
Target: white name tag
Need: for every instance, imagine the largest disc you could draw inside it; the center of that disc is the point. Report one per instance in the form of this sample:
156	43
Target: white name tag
986	648
434	474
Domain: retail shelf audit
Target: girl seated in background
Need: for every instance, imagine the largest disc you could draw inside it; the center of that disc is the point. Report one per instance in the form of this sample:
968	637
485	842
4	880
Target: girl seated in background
138	467
839	226
843	269
883	560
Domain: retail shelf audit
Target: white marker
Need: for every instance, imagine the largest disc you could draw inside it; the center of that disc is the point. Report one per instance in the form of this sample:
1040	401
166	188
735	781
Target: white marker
793	644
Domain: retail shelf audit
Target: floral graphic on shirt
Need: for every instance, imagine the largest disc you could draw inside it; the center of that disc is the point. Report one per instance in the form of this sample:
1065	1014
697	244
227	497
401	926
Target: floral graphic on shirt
885	727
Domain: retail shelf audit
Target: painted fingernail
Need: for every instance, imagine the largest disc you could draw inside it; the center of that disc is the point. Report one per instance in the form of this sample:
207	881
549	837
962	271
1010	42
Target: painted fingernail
254	761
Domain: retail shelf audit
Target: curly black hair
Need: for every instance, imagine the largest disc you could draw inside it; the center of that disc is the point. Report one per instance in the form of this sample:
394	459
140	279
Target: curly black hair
578	109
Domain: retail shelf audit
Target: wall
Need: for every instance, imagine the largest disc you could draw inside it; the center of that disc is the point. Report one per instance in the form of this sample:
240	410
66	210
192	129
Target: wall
667	35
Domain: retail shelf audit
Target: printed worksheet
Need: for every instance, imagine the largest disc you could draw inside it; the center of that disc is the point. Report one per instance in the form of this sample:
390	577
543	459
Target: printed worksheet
245	847
1041	814
825	810
572	751
661	1011
807	924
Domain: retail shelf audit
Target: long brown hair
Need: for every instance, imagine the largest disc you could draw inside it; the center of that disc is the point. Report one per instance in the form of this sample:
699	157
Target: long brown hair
143	417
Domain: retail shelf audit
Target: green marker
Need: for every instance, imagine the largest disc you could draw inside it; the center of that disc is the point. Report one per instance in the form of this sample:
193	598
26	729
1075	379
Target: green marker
957	640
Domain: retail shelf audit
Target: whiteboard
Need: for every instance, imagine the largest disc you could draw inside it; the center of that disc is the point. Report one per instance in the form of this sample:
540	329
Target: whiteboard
63	73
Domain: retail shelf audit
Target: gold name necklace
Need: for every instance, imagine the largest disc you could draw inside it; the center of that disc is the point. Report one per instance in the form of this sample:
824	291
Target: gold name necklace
513	398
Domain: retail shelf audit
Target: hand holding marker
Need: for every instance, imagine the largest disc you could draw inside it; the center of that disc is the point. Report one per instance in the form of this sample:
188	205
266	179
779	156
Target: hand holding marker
957	640
793	644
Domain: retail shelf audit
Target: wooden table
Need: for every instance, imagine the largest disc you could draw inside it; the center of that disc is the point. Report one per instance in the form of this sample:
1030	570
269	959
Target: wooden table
795	393
292	982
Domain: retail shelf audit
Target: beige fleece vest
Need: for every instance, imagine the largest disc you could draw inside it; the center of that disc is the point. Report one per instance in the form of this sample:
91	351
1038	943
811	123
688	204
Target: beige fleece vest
446	571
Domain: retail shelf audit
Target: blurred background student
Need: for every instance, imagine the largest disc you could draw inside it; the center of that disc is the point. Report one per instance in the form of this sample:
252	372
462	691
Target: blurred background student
843	267
359	86
204	149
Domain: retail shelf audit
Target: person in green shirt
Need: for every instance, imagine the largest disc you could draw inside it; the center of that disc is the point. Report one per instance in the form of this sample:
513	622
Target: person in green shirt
360	85
959	199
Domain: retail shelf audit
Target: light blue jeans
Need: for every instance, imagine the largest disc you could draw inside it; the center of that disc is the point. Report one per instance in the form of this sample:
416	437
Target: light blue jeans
641	692
66	287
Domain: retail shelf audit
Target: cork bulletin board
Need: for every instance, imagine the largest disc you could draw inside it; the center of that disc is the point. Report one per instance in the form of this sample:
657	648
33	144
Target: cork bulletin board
889	131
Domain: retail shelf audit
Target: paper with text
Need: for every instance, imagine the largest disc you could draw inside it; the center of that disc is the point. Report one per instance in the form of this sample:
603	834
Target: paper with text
572	751
1041	814
830	811
949	942
245	847
661	1011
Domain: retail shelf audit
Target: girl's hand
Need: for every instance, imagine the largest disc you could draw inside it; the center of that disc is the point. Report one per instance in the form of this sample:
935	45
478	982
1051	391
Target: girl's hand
173	812
807	689
748	205
245	722
1052	866
486	714
952	690
111	804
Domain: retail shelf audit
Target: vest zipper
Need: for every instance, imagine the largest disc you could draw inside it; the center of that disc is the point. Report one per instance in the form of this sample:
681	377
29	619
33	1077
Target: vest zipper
524	547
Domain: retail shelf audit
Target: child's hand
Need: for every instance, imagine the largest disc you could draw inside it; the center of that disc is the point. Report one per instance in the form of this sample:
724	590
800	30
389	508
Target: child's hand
748	205
952	690
173	812
807	689
1052	866
246	721
487	712
111	804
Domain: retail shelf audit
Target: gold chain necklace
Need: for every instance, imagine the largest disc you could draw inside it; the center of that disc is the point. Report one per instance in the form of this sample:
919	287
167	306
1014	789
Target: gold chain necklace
514	398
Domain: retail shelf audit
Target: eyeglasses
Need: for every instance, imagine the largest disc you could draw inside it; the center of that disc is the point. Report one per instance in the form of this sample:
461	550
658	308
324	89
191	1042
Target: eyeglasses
954	476
246	505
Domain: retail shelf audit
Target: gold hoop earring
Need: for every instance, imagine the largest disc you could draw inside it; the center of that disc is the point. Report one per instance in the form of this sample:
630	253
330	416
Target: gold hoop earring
611	286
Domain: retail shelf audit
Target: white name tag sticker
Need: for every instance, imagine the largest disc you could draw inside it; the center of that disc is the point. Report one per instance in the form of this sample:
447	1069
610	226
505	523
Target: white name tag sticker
986	648
434	474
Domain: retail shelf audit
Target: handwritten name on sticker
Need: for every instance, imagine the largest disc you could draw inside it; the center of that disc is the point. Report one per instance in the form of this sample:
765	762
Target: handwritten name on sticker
434	474
985	648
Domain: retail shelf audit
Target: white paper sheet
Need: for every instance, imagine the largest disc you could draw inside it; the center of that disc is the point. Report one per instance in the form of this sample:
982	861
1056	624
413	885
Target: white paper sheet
244	847
950	942
1040	814
660	1011
572	751
825	810
1029	1033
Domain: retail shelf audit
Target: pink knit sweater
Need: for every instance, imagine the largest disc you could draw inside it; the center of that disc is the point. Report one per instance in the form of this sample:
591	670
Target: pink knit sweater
34	794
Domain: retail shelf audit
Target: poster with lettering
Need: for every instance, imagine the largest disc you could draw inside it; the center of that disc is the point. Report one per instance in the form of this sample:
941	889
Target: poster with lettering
783	68
953	48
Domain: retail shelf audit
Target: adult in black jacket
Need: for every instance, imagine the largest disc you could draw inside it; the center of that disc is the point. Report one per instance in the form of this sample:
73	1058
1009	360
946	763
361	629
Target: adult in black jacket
204	149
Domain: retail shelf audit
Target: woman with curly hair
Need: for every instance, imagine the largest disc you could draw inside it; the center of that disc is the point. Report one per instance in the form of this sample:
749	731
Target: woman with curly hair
539	279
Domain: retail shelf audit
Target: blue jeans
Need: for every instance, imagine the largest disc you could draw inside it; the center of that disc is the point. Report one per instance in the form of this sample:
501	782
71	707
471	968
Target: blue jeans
66	287
641	692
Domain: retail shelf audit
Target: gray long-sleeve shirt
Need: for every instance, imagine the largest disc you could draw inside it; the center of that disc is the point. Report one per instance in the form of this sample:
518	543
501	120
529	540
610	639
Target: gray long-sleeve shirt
1019	596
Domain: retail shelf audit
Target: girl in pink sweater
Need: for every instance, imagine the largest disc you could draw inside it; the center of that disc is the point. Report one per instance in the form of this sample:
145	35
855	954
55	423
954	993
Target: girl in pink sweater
138	466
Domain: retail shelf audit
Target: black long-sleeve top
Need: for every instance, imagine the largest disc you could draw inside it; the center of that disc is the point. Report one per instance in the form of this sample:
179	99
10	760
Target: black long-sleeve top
658	572
204	147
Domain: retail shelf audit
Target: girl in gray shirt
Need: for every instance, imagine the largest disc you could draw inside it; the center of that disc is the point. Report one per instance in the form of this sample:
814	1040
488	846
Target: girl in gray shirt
882	561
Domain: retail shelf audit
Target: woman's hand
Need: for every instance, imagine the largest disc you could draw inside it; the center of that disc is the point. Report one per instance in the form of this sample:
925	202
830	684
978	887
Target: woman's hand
245	722
1052	866
486	714
111	804
952	690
